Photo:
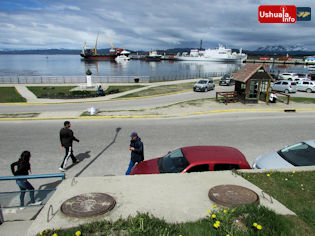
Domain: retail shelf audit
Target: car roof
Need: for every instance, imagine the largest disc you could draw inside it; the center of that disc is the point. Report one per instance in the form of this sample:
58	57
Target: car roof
221	154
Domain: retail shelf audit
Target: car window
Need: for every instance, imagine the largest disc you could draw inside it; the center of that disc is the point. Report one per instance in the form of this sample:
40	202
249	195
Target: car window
293	83
174	162
202	81
278	83
305	83
285	83
225	167
300	154
198	168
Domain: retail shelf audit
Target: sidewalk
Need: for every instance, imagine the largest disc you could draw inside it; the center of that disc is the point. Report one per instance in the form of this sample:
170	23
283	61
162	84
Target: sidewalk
177	109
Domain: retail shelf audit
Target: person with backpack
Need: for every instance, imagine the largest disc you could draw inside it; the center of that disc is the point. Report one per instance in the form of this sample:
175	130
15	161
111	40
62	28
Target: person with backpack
136	148
23	168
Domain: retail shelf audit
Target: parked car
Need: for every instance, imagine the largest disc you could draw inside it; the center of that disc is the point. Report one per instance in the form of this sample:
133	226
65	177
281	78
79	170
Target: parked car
306	86
303	76
299	154
286	86
194	159
204	85
288	76
227	79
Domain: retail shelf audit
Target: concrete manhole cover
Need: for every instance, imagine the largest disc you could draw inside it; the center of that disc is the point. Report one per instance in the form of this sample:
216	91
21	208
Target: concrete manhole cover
232	195
88	204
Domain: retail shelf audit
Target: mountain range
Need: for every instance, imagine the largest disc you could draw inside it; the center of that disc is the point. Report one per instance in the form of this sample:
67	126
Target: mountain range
266	50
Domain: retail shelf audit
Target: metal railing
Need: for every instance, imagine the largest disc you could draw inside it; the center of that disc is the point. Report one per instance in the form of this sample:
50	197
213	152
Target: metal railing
11	199
14	79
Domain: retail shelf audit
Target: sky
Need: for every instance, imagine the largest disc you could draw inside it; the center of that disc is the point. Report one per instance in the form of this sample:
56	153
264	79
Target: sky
147	24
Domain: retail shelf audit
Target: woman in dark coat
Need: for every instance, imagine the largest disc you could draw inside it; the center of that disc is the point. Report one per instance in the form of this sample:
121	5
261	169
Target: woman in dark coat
23	168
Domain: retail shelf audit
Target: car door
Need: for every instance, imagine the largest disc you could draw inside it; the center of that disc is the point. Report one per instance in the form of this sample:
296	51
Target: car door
197	168
304	85
211	84
277	86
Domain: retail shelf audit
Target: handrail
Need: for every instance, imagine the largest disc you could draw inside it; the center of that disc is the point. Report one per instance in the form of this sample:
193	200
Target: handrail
42	176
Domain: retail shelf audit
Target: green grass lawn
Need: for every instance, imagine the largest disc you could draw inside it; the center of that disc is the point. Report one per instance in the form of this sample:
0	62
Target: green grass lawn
162	90
294	190
124	88
9	94
50	90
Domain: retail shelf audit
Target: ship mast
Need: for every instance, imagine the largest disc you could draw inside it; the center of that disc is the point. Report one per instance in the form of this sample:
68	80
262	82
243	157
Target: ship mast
95	51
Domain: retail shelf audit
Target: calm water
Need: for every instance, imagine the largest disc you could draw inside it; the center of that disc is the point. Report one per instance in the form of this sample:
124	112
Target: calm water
63	65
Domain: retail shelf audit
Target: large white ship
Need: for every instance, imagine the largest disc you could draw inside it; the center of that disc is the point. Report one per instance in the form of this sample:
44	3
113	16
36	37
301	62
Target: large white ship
220	54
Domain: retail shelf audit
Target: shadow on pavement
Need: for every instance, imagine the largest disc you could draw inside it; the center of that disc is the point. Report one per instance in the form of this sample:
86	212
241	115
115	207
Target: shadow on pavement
98	155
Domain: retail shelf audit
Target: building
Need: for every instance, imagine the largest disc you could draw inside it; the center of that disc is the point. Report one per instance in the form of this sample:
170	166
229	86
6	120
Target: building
252	83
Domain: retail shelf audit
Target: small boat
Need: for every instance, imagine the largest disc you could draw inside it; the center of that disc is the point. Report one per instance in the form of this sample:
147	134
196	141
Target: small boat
153	56
122	58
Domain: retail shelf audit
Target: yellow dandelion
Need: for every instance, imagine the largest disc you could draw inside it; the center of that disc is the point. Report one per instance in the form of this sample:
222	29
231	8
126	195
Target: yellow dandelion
78	233
208	212
216	226
268	175
227	235
218	222
41	233
225	211
213	216
259	227
55	234
293	172
233	210
214	206
255	224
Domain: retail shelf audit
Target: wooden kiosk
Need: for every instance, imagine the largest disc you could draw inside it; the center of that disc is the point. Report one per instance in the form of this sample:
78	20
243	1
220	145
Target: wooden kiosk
252	83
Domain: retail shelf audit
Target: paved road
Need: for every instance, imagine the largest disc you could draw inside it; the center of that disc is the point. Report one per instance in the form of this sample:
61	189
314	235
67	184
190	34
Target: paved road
123	104
103	154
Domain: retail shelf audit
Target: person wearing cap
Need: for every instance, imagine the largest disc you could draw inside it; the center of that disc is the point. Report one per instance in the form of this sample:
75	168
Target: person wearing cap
136	148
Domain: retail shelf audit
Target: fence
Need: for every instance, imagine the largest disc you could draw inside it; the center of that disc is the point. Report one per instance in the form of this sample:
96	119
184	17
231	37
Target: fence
100	79
11	199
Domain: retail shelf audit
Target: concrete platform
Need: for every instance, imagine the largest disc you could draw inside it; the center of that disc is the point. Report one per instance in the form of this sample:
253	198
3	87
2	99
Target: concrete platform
174	197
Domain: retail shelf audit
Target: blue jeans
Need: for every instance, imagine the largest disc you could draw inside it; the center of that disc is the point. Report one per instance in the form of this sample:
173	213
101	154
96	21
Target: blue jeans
25	185
131	164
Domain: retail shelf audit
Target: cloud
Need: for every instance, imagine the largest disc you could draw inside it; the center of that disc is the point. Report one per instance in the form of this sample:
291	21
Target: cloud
145	24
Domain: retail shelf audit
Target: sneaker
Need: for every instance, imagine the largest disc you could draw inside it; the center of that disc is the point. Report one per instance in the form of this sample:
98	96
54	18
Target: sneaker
35	203
62	169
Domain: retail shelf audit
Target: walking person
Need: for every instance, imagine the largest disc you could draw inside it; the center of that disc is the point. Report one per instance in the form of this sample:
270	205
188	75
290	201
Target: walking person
136	148
66	139
23	168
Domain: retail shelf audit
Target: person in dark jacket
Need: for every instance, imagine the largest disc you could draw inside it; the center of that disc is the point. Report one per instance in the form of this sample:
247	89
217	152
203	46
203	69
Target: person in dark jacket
136	148
23	168
66	139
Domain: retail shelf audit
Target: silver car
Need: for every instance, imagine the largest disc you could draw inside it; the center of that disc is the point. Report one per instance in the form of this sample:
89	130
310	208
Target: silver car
299	154
306	86
204	85
286	86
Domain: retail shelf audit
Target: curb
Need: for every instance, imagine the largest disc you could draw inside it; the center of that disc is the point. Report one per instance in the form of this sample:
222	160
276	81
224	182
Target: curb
151	116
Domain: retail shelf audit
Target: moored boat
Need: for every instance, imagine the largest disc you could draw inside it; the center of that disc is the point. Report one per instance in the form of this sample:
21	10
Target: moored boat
220	54
153	56
92	54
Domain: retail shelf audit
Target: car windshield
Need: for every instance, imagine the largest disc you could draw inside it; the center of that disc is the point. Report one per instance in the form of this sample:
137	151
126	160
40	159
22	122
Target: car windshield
300	154
174	162
202	81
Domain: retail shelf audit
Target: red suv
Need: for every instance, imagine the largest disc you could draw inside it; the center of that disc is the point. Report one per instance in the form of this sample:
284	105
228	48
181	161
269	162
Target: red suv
194	159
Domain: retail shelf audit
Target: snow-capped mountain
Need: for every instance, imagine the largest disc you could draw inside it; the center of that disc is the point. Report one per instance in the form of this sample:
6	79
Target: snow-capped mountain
281	48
